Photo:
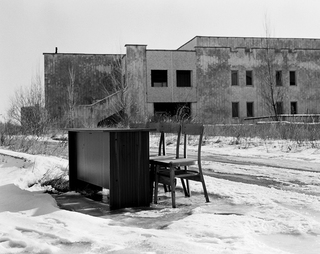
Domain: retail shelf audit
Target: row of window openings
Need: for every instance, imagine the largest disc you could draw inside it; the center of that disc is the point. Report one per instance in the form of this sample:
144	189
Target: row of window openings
159	78
249	78
250	108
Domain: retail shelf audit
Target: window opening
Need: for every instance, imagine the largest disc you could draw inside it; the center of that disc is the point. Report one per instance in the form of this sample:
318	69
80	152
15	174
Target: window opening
183	78
235	109
249	81
278	78
250	112
292	75
159	78
234	78
294	107
279	107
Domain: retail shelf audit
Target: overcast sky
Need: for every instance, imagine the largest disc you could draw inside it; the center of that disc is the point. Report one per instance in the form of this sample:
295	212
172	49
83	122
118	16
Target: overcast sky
28	28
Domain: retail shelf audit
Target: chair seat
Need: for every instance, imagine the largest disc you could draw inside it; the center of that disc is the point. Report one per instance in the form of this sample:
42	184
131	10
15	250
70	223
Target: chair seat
180	173
181	162
160	157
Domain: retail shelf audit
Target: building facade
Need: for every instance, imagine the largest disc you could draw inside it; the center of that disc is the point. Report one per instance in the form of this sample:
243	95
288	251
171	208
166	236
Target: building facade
218	79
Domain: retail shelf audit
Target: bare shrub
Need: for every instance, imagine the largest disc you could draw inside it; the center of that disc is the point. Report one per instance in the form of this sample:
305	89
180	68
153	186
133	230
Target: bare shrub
27	108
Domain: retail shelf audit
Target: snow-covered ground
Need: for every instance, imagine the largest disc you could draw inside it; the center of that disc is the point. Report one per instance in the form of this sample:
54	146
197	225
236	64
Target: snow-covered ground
264	198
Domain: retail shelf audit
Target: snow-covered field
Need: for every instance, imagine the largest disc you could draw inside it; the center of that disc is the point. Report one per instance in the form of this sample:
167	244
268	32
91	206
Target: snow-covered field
264	198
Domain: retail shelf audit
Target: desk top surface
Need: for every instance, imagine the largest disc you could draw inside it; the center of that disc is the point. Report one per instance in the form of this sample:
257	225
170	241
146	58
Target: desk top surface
110	129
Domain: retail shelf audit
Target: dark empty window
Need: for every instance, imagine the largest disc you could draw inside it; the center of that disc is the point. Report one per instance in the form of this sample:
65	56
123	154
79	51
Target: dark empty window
279	107
292	75
278	78
250	109
235	109
249	81
159	78
234	78
294	107
183	78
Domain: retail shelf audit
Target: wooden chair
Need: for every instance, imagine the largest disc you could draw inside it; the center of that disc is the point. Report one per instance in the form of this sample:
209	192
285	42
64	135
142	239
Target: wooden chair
178	167
164	129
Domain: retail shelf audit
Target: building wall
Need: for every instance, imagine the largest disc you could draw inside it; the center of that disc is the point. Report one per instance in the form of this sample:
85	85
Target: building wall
91	80
215	93
171	61
210	59
136	67
190	45
255	42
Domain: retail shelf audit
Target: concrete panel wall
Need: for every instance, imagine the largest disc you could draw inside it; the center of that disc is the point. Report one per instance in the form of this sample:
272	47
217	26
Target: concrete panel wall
253	42
215	93
213	84
171	61
136	76
189	45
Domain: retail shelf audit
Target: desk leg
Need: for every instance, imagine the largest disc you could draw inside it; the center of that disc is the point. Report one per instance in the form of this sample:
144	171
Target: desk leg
173	187
152	179
156	183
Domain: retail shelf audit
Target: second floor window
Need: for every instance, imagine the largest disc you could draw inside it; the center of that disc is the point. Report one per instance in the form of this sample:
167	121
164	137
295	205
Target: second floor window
159	78
183	78
249	81
278	78
292	76
234	78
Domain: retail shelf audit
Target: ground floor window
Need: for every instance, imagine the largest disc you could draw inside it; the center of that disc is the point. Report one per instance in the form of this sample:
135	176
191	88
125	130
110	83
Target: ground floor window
294	107
250	111
279	107
171	109
235	109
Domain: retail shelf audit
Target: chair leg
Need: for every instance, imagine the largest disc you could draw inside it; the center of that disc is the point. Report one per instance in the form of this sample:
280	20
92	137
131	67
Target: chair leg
187	182
188	188
185	189
156	183
173	187
204	185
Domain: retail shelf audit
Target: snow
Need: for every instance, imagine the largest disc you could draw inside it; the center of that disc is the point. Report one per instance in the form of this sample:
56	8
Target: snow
272	207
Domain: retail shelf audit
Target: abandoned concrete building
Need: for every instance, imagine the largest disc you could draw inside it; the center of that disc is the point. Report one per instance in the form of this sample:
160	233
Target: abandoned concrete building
217	79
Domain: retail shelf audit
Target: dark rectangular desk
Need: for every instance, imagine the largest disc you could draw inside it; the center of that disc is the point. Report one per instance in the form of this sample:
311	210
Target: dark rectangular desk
115	159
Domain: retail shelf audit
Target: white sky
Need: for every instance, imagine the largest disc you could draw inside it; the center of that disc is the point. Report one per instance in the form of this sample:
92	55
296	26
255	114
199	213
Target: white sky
28	28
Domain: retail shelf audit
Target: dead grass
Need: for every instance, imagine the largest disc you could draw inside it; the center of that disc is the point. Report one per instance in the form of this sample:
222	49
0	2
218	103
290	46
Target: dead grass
297	132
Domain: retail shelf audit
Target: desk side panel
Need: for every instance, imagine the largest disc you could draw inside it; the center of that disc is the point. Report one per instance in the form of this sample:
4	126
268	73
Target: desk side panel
72	150
129	176
93	158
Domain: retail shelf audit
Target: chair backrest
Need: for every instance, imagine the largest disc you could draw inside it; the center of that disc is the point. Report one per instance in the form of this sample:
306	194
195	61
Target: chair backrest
155	128
166	128
192	129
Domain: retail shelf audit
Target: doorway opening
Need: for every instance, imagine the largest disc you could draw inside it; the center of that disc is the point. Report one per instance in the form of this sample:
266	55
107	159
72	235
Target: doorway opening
181	111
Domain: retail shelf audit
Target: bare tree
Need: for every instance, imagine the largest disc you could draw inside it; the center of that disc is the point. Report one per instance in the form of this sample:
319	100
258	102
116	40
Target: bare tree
71	101
27	107
272	90
113	88
116	86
